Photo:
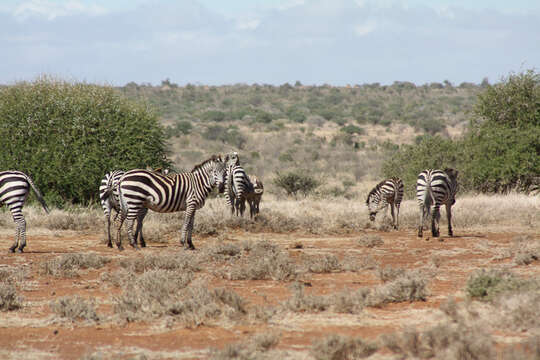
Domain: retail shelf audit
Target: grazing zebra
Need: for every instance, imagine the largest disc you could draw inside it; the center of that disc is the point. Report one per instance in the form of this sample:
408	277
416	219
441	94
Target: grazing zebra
14	189
435	188
254	197
387	192
139	189
111	202
237	185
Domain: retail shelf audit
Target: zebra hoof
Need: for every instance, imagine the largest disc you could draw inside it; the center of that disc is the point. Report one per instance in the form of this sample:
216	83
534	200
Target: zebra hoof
120	248
20	251
134	246
12	249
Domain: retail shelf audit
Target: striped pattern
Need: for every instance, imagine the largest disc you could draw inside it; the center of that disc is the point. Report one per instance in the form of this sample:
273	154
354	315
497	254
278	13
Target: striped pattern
14	189
139	189
236	189
254	197
433	189
108	196
387	192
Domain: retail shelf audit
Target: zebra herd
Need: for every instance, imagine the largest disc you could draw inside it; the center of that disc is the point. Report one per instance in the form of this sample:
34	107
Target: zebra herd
433	189
131	193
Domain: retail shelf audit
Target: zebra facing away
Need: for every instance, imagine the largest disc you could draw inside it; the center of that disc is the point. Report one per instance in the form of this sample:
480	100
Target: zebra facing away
110	202
14	189
237	186
433	189
254	197
139	189
387	192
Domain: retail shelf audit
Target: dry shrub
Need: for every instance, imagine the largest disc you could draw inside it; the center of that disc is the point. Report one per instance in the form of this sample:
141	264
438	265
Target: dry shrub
68	265
389	273
9	300
322	264
444	341
370	240
76	218
264	261
526	249
164	261
158	293
257	347
338	347
519	311
74	308
489	284
302	302
409	286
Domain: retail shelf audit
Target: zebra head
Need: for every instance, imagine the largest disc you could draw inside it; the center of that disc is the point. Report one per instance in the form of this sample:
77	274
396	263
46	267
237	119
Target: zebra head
373	203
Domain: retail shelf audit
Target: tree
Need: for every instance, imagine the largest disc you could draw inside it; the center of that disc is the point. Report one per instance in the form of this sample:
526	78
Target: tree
294	182
66	136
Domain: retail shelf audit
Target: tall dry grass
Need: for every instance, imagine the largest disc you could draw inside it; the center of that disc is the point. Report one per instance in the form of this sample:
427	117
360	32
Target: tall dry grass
489	213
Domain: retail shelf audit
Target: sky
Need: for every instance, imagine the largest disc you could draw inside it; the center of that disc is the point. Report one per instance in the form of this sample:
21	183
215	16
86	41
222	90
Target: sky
217	42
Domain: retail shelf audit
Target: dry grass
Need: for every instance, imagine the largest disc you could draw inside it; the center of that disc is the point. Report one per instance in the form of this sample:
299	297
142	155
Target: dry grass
309	215
68	265
75	309
9	299
257	347
337	347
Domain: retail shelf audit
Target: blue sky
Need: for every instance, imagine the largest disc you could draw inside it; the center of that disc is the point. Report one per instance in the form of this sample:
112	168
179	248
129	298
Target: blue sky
218	42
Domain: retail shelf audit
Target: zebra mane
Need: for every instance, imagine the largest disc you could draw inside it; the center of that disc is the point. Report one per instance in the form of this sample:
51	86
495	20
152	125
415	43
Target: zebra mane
377	187
214	158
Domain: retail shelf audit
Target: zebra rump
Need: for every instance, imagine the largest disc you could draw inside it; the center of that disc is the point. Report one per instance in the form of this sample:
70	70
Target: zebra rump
433	189
14	189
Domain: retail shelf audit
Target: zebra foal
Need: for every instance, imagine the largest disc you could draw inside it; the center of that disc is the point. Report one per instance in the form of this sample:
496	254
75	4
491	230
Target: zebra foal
143	189
433	189
387	192
14	189
237	184
254	197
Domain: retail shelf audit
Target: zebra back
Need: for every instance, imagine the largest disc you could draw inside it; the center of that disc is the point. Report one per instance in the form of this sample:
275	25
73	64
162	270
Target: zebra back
16	185
436	187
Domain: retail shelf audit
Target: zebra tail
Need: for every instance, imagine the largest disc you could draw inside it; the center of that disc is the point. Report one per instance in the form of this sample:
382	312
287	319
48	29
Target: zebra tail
429	199
38	194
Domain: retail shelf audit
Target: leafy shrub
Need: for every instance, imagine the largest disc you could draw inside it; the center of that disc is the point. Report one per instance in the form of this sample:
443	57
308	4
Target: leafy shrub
295	182
487	285
79	131
352	129
213	115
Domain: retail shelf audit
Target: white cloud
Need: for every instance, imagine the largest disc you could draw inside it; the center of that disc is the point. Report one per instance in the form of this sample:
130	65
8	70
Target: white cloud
51	10
365	28
247	24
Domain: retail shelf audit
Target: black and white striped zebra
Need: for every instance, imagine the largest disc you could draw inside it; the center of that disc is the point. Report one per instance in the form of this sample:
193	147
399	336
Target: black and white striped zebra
111	202
14	189
139	189
237	185
254	197
387	192
433	189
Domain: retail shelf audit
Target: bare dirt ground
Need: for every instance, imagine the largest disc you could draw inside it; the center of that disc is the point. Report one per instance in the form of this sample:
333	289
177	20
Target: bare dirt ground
35	332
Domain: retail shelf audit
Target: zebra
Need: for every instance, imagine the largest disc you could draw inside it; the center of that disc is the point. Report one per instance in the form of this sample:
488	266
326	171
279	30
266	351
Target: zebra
387	192
139	189
237	185
109	185
14	189
435	188
254	197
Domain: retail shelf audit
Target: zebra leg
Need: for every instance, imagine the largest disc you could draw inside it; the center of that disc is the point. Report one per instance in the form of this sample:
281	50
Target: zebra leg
108	220
397	217
449	216
242	206
132	239
138	231
435	221
119	234
422	217
187	228
393	216
21	225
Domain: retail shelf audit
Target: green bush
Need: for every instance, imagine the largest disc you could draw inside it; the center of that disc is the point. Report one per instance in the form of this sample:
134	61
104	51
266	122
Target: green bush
66	136
295	182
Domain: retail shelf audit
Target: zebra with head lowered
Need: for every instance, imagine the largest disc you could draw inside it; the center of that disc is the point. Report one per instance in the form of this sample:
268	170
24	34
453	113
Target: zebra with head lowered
14	189
433	189
108	195
139	189
238	186
387	192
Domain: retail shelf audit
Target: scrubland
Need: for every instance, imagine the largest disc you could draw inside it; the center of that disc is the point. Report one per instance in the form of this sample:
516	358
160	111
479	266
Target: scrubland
308	279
